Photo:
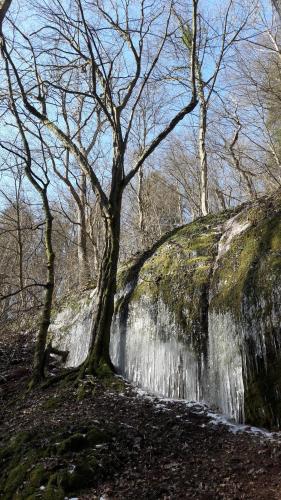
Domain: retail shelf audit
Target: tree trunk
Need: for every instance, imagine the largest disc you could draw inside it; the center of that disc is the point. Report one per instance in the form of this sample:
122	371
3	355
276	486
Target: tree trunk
140	207
204	206
246	176
20	248
83	262
40	348
99	359
4	6
221	199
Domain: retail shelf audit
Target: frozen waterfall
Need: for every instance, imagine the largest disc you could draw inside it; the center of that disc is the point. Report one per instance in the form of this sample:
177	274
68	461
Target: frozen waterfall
149	352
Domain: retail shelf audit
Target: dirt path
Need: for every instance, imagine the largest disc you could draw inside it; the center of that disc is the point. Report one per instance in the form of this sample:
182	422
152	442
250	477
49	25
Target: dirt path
157	450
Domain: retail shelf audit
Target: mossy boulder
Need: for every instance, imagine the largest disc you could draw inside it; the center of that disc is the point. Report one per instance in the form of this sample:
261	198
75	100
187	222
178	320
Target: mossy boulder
198	315
31	469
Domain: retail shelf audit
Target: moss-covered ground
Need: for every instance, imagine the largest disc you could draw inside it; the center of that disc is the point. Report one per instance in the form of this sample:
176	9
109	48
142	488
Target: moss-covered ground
99	438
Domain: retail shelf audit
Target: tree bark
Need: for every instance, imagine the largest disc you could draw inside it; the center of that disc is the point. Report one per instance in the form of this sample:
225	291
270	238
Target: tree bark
99	359
246	176
83	262
203	157
140	206
4	6
40	348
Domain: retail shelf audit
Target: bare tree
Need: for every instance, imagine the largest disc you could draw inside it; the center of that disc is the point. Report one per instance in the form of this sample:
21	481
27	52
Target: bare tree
118	97
41	186
226	35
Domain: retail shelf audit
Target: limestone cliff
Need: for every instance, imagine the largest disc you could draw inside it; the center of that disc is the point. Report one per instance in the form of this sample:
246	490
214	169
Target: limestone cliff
198	316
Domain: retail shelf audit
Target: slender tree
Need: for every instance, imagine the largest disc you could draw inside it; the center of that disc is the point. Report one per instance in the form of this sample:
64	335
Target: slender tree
206	86
41	186
118	98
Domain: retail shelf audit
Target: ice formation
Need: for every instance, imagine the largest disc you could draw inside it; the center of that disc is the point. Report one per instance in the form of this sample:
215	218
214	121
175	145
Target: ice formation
216	358
147	351
71	330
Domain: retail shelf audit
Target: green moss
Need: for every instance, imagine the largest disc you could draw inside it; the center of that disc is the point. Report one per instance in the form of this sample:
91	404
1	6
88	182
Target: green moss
103	371
23	462
253	262
178	272
51	404
38	476
74	443
78	441
83	476
53	493
96	436
81	392
15	479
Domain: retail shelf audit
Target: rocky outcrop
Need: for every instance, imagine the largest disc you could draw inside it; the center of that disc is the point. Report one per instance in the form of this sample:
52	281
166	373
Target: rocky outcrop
71	327
198	316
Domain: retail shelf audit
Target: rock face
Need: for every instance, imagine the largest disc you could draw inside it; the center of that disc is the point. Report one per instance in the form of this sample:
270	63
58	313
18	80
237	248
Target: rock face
70	330
198	316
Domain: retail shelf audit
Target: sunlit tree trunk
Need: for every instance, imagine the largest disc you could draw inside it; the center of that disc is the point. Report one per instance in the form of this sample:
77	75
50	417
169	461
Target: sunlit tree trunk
203	157
39	354
82	252
99	357
140	206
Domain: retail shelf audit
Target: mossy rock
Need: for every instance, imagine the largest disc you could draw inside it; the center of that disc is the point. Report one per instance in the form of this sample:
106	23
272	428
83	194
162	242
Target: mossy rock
83	475
78	441
95	436
15	479
53	493
224	268
176	271
51	403
74	443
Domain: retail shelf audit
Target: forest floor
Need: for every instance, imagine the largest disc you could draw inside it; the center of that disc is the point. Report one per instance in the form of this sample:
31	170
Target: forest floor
102	439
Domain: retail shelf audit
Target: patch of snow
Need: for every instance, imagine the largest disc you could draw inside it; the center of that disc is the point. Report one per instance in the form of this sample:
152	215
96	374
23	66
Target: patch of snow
215	419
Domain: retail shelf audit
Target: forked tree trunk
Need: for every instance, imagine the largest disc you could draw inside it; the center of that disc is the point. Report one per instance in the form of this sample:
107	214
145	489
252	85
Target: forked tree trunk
98	361
40	348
